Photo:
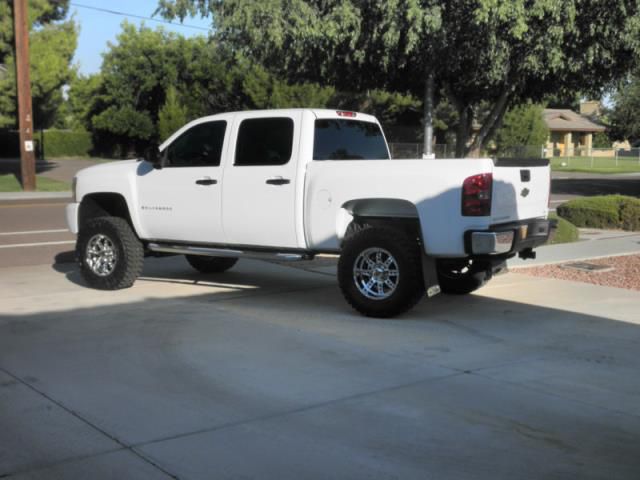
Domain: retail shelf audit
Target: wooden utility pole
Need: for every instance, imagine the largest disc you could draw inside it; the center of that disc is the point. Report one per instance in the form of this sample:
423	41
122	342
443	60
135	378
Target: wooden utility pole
27	154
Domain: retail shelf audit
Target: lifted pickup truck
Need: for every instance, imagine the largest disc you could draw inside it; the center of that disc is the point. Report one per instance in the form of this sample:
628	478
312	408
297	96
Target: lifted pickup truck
290	184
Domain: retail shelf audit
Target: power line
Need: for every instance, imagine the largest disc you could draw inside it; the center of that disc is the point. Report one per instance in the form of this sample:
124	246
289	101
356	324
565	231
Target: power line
140	17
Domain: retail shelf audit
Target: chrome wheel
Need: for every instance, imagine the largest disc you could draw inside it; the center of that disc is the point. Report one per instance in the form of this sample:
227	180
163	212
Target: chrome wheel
376	273
101	255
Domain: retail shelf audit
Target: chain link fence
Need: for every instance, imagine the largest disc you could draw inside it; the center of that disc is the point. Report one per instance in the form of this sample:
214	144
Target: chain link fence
582	157
599	158
414	150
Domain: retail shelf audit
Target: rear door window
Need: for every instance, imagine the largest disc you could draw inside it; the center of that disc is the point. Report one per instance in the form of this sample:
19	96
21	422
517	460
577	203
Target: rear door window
337	139
264	141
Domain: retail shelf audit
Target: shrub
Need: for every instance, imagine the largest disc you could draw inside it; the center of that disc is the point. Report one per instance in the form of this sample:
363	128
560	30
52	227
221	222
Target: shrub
65	143
523	132
609	211
566	231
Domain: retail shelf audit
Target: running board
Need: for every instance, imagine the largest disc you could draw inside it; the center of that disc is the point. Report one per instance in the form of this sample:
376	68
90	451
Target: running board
225	252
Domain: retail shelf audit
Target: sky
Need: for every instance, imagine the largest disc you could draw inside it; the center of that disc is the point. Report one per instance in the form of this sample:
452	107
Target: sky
98	27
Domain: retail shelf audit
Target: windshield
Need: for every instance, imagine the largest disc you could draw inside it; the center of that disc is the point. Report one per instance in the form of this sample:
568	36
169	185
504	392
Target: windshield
348	140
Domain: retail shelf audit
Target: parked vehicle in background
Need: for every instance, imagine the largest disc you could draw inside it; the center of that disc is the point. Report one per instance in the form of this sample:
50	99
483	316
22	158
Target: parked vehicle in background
290	184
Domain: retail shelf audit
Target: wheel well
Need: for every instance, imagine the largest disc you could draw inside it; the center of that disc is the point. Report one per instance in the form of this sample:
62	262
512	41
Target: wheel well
102	205
408	225
400	214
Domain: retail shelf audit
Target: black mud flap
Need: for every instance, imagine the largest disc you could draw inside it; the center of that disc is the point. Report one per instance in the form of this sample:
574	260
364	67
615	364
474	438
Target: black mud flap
430	275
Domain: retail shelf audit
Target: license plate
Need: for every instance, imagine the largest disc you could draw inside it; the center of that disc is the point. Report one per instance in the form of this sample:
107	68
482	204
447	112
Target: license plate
524	229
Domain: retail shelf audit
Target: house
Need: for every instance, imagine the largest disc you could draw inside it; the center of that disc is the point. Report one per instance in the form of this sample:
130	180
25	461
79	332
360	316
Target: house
571	133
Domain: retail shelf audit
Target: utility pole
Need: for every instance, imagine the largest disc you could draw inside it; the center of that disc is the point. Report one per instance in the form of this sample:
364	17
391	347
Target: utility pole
27	154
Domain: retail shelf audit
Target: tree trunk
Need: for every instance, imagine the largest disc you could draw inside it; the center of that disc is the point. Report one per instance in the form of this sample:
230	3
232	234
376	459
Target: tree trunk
463	130
491	122
428	115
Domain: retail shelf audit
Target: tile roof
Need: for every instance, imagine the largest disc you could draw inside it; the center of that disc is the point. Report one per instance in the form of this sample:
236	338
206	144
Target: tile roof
560	120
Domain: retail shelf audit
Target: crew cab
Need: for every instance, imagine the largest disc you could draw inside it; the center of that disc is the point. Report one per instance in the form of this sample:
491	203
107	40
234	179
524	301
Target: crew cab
291	184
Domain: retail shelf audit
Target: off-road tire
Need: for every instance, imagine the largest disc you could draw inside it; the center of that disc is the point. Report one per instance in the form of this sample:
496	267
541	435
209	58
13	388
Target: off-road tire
205	264
129	253
405	251
454	281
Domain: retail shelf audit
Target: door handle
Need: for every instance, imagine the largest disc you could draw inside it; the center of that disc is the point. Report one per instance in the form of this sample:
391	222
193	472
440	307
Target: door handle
278	181
206	181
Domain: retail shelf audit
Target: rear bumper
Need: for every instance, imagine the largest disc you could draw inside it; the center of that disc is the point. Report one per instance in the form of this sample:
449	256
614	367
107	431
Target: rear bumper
508	238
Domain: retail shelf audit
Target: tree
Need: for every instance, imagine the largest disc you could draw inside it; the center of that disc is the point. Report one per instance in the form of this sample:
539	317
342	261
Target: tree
624	117
172	115
52	45
523	131
473	52
130	104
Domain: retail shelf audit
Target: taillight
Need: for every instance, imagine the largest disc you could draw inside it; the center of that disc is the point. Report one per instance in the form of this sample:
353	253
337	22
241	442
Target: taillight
476	195
343	113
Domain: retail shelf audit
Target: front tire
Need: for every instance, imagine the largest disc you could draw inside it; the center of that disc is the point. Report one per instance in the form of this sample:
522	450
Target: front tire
205	264
109	253
380	272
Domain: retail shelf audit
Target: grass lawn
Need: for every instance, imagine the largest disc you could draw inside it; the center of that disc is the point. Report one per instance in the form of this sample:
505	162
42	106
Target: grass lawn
9	183
596	164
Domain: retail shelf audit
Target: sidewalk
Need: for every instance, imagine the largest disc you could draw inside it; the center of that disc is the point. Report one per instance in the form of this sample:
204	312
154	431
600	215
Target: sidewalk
56	169
593	244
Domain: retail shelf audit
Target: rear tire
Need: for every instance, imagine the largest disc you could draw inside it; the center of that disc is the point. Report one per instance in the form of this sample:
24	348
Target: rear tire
461	277
380	271
205	264
109	253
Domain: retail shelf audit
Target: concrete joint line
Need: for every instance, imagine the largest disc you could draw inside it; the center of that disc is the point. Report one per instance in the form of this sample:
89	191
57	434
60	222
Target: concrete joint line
86	422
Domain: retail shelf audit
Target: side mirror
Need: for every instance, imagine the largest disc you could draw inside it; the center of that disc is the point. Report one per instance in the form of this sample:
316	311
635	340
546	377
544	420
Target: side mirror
154	157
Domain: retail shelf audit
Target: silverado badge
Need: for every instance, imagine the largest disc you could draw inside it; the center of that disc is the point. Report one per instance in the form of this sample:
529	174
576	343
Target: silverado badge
524	192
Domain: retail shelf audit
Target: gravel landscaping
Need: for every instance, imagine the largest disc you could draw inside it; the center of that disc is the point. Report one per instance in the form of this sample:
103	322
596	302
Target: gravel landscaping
625	272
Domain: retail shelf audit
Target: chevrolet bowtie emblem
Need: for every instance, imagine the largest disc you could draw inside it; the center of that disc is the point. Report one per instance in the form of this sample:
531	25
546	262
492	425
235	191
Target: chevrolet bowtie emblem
524	192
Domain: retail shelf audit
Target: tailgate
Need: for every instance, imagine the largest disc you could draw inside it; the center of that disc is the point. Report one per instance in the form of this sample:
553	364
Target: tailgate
520	189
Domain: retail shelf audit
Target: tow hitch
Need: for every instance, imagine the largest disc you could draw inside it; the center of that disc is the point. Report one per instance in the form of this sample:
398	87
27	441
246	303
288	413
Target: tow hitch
527	253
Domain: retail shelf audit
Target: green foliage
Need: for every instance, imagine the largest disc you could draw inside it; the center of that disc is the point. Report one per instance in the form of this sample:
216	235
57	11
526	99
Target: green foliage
498	52
523	126
51	50
9	183
566	232
172	115
601	140
84	97
130	104
607	212
125	122
65	143
262	90
625	117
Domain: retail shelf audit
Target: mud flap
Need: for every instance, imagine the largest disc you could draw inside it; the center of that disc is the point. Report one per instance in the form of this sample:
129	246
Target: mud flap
430	275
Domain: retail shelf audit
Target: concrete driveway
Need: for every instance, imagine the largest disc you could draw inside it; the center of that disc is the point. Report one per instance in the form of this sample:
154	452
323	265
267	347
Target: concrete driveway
264	372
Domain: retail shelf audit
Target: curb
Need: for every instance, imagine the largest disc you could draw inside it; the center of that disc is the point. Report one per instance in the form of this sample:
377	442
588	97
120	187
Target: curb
569	260
13	196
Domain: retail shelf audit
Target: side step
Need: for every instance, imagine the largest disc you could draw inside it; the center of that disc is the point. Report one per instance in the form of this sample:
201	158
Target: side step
225	252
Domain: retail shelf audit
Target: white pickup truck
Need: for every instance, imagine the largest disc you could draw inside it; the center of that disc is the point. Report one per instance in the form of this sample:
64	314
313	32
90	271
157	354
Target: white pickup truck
290	184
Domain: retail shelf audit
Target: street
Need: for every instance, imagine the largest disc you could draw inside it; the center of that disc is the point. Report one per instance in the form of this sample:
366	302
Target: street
34	232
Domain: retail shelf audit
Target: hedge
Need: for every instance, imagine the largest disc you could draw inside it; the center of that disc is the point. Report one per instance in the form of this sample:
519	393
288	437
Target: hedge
608	212
566	231
56	143
65	143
